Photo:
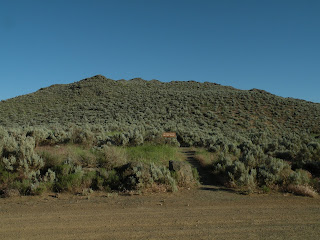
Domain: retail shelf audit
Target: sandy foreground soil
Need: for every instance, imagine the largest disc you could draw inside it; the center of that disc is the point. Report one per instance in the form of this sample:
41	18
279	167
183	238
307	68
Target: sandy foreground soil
203	213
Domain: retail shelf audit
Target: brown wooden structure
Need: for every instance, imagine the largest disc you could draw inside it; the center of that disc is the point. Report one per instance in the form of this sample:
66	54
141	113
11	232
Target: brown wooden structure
169	134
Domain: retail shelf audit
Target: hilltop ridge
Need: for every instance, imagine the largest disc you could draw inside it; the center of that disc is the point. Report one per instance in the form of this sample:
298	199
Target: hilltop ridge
99	100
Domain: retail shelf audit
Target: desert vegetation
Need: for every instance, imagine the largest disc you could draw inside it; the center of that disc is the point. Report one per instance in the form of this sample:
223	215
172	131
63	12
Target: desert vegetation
101	134
31	165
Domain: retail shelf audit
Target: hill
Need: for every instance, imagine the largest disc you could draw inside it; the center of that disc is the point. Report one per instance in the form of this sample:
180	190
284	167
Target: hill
254	138
169	106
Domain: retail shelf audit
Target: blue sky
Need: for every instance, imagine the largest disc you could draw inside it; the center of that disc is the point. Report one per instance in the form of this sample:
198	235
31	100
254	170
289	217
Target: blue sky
265	44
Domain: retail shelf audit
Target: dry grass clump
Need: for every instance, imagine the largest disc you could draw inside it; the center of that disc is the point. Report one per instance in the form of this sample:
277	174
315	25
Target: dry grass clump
302	190
112	157
11	193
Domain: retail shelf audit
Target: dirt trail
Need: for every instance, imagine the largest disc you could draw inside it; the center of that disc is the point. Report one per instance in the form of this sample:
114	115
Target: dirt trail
204	174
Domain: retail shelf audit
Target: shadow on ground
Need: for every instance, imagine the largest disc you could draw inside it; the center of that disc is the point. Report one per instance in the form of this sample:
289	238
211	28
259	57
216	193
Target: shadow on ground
217	189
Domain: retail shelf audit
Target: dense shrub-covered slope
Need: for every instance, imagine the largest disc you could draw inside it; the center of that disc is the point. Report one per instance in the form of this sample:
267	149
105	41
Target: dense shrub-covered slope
257	140
189	105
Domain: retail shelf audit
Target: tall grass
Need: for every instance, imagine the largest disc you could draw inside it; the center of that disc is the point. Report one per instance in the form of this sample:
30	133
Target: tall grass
76	153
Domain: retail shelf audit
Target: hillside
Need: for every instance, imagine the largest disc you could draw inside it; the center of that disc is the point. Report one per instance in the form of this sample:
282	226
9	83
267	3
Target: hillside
169	106
252	139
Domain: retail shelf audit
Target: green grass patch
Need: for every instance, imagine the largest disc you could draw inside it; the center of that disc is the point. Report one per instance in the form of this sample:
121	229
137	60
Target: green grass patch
108	157
148	153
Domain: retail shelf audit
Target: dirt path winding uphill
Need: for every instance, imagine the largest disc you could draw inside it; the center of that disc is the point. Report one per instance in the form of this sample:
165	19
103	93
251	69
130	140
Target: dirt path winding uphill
204	174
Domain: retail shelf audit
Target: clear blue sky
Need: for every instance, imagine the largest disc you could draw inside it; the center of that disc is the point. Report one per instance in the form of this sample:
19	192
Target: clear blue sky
272	45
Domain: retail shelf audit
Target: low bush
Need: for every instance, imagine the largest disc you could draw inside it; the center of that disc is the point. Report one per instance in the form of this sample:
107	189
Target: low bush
137	176
70	182
274	172
255	170
183	173
24	186
299	177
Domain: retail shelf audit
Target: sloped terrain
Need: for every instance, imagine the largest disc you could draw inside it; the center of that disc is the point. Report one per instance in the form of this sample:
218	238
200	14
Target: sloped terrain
257	140
189	105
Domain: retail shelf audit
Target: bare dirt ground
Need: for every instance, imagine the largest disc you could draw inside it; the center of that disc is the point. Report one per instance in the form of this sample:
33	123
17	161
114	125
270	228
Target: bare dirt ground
204	213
